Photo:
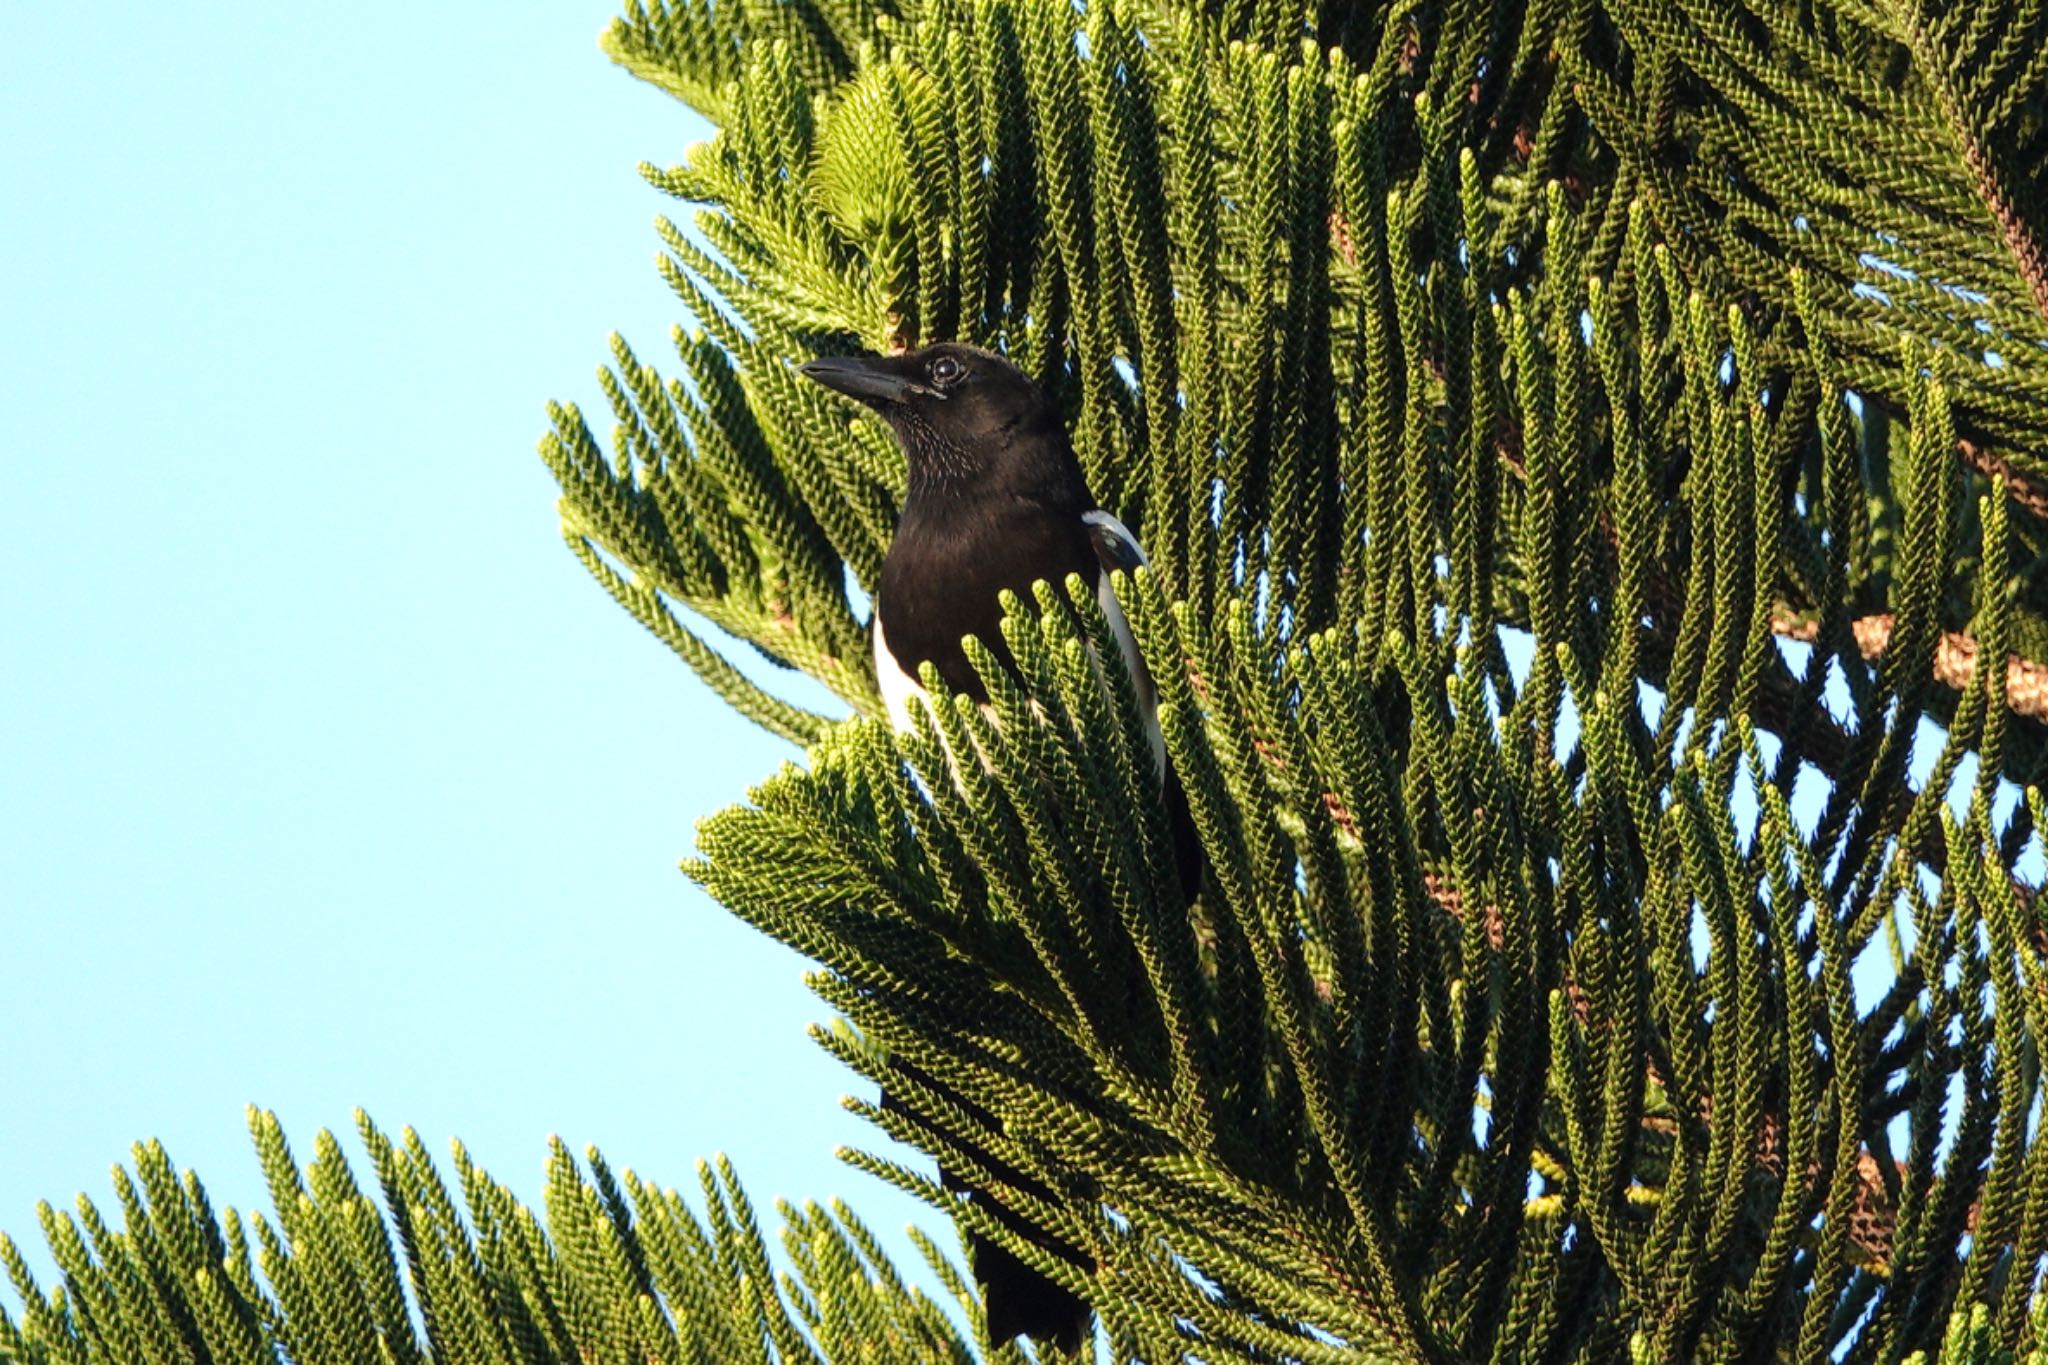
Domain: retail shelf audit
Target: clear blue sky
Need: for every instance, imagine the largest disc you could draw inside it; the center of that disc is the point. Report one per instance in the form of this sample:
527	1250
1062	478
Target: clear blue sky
329	778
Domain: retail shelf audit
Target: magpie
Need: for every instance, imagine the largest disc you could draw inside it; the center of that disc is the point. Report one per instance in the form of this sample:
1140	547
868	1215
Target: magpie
996	499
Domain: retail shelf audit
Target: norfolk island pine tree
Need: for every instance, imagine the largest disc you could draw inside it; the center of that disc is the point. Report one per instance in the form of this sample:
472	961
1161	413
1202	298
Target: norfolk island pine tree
1524	1015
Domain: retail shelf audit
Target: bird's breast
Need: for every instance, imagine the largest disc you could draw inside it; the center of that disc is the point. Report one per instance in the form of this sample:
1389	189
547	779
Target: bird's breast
944	577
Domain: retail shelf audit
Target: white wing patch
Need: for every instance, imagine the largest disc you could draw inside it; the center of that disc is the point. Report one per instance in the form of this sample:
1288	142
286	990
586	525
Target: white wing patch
1117	548
1112	529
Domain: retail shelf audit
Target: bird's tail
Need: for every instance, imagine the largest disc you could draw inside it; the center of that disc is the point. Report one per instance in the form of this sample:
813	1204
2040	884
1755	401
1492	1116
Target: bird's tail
1018	1299
1188	859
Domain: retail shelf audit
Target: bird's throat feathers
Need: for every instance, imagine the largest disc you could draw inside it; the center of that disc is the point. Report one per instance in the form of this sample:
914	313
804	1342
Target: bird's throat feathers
1028	458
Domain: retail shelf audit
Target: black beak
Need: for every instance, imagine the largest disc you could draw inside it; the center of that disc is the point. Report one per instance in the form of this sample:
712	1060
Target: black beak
871	379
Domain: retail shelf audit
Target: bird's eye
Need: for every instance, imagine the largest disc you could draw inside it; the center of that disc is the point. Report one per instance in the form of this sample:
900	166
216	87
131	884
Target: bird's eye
946	370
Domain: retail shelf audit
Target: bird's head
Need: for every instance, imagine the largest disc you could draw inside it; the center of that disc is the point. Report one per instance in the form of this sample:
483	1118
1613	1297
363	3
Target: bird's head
955	408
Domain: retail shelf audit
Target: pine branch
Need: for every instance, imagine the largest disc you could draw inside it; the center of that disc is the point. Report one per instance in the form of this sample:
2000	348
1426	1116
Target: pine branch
1548	1013
1541	414
615	1268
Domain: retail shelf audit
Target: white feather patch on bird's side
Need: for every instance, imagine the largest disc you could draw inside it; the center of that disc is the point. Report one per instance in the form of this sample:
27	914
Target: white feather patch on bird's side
901	692
898	688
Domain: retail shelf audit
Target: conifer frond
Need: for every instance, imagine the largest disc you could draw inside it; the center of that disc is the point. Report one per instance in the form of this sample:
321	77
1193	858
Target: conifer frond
1894	153
1518	1018
613	1269
1591	460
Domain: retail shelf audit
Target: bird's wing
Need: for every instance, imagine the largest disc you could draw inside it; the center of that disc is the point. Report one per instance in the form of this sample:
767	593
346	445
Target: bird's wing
1116	548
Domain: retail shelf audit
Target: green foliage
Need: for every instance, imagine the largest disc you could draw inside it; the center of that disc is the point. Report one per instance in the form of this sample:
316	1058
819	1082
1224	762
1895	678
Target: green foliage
1913	203
1518	1018
1695	354
622	1271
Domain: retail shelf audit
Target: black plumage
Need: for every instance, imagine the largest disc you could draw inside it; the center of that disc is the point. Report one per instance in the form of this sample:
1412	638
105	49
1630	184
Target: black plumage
996	499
